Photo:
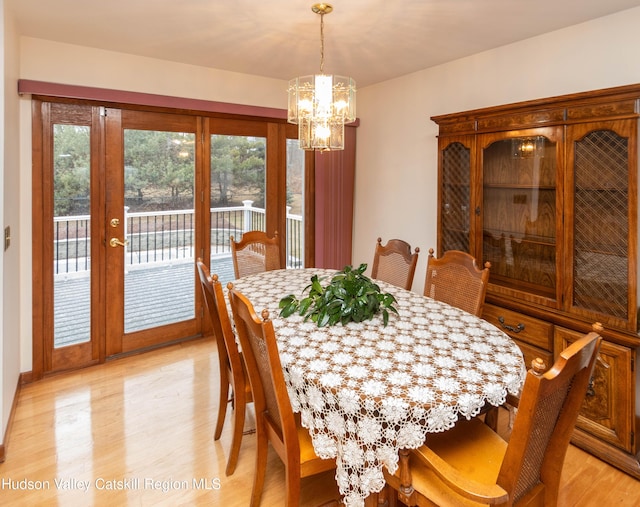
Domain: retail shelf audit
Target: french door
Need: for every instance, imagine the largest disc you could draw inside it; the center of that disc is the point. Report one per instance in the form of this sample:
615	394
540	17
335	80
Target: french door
151	228
67	186
115	231
125	200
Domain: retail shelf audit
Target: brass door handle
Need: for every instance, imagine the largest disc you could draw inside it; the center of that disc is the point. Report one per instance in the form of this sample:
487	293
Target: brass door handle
114	242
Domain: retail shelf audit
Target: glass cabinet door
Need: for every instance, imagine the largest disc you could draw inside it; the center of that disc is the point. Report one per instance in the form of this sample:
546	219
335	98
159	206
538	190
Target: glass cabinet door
602	188
455	195
521	200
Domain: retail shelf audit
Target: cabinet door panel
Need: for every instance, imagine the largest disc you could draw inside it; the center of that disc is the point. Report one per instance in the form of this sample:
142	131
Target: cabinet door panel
606	411
521	209
601	216
455	194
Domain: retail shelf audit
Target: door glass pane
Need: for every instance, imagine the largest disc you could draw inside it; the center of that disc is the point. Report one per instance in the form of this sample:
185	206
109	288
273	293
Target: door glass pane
519	196
295	204
159	177
238	184
71	235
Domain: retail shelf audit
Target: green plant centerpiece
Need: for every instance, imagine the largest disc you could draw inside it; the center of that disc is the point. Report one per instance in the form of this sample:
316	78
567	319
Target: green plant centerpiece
350	296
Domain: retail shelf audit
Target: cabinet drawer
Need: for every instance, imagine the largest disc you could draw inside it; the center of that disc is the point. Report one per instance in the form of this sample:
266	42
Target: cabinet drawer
521	327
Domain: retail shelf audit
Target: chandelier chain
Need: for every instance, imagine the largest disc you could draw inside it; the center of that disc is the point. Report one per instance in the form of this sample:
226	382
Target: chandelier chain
322	43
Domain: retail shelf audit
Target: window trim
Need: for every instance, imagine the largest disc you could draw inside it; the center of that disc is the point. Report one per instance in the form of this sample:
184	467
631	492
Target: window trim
137	99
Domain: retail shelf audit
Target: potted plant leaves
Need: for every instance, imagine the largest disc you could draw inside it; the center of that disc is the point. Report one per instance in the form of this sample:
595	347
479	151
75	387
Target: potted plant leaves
350	296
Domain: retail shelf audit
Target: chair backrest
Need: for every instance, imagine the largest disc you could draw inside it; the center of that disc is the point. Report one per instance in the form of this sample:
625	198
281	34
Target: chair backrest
547	413
206	283
222	327
271	399
394	263
456	279
254	253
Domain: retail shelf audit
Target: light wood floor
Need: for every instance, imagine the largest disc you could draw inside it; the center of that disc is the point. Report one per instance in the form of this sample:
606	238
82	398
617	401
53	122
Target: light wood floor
139	431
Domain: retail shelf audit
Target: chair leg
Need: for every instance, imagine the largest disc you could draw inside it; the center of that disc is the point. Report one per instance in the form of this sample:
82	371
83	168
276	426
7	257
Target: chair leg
292	485
491	418
261	463
238	426
388	497
222	406
373	500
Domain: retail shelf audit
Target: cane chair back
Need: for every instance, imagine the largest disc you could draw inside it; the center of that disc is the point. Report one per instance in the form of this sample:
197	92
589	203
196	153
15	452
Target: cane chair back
456	279
233	377
255	253
275	421
394	263
471	465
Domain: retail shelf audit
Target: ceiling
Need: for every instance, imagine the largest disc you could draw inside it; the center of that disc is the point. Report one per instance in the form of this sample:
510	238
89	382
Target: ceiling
369	40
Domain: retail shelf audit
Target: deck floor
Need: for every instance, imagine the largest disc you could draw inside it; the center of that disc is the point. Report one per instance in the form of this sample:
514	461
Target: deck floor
155	294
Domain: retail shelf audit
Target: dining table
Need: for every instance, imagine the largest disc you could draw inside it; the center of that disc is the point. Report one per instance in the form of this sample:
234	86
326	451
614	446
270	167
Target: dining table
366	390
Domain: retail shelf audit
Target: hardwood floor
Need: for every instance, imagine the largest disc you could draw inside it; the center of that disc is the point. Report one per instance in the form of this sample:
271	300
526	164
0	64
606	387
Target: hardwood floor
138	431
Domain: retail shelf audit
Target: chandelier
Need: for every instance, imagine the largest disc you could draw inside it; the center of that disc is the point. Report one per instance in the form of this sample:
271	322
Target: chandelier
321	104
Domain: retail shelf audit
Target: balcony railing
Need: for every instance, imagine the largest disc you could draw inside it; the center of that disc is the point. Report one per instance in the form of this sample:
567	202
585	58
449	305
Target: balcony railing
165	236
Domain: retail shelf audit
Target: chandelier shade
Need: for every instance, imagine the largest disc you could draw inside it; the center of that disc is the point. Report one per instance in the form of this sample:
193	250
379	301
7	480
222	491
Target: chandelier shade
321	104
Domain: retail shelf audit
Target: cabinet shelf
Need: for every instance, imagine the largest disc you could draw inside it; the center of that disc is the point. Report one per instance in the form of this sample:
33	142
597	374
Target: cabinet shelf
591	189
519	186
457	230
516	237
533	288
606	252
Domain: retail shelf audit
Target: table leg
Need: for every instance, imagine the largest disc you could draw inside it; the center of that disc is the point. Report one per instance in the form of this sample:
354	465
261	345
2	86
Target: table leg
378	499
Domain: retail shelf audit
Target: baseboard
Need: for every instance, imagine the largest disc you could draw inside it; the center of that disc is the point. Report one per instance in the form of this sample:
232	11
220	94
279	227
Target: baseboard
26	378
22	379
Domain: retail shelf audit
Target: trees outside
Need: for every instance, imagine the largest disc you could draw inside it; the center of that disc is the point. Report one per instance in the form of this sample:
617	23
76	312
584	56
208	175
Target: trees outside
71	170
238	170
159	170
295	176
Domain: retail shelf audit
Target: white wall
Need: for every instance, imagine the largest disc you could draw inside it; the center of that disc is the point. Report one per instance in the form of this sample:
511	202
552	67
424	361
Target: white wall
396	160
55	62
396	172
9	216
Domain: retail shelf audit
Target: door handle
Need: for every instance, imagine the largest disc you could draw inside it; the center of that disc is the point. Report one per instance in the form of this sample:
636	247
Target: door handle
114	242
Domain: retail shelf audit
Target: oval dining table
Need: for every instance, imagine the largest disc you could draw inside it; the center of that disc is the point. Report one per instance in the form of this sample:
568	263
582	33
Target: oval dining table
365	390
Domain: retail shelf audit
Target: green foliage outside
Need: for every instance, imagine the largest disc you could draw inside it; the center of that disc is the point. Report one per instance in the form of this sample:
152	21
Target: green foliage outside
71	170
237	170
159	170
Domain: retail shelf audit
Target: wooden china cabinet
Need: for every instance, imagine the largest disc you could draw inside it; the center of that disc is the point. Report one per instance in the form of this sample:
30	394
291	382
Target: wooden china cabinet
546	190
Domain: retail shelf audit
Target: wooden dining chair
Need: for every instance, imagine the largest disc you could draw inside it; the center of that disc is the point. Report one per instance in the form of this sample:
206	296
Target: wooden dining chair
472	465
254	253
394	263
275	420
231	365
456	279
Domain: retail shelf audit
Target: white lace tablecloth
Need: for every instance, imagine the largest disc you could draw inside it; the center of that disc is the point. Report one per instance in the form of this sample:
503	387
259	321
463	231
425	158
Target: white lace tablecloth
366	391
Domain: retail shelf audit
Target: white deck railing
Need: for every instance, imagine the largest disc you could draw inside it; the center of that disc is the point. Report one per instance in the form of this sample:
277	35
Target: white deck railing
165	236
